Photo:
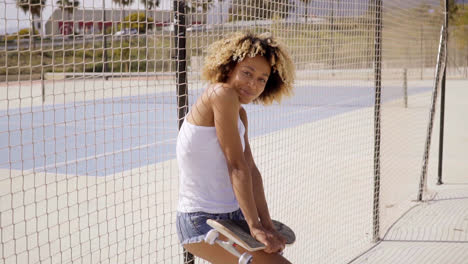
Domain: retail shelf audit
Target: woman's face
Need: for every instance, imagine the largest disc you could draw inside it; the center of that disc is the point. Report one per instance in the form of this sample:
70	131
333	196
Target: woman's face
249	78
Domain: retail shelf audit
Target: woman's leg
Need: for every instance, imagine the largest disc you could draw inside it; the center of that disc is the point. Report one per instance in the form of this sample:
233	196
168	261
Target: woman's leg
218	255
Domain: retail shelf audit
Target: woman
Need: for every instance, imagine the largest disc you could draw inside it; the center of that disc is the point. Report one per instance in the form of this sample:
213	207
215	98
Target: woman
218	175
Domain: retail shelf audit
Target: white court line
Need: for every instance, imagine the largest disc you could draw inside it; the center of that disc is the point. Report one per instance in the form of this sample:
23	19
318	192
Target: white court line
72	124
55	165
350	100
61	164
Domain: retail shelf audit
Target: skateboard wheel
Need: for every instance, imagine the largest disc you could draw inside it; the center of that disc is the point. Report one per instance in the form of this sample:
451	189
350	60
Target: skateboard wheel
245	258
211	236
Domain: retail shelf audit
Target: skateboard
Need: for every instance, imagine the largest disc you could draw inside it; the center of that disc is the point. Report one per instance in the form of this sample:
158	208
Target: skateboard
238	233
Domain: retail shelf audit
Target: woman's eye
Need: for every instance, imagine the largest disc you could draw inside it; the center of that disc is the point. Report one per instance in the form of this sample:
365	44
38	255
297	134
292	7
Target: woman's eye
263	81
247	73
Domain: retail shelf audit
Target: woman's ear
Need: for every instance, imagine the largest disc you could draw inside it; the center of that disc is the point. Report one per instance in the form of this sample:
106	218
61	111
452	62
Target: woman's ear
229	75
231	67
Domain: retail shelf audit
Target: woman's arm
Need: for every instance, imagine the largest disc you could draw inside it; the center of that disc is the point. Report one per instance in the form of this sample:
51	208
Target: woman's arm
259	193
225	103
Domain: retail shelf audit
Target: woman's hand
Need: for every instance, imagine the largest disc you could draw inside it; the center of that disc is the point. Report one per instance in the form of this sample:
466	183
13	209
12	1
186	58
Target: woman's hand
273	241
276	234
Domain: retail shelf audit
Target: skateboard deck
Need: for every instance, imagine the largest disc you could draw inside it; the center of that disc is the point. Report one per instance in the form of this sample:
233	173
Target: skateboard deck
239	233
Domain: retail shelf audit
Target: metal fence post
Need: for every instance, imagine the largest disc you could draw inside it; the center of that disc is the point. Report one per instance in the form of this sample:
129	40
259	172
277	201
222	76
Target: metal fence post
181	76
377	120
181	59
440	71
442	99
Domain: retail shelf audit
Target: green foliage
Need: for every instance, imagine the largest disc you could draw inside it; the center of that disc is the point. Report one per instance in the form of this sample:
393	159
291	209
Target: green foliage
461	28
25	32
91	54
94	67
453	10
129	56
258	9
109	30
22	34
11	37
138	21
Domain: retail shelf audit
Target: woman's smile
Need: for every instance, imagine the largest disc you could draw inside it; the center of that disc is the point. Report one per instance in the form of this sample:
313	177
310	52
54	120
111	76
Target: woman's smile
245	92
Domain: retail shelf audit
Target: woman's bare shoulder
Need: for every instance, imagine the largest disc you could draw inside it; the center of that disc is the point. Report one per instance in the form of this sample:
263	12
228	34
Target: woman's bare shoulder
222	93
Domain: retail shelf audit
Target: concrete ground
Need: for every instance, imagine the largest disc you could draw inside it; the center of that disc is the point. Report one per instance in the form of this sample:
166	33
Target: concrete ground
318	179
435	231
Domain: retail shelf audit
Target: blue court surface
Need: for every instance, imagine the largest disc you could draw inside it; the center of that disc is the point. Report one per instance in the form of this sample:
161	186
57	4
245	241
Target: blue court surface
107	136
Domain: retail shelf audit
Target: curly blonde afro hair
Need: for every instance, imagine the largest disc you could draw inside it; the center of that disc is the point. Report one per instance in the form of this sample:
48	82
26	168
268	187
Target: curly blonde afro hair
224	54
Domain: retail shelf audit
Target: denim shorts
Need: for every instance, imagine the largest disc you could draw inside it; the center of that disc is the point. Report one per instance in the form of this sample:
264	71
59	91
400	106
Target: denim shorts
192	227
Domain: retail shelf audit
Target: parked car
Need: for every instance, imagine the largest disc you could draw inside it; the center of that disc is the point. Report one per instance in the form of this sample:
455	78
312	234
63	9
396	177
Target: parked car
197	27
126	31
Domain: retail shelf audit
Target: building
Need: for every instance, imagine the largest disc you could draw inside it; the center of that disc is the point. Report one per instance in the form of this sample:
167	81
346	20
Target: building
94	21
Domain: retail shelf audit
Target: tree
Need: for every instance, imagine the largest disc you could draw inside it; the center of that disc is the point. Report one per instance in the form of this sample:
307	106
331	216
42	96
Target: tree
195	5
68	6
34	7
150	4
461	28
123	4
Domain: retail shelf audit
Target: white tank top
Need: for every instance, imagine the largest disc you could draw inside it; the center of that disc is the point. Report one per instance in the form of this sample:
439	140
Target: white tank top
204	183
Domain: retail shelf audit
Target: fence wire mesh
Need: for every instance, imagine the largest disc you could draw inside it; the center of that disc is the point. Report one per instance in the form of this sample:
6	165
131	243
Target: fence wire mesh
89	120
